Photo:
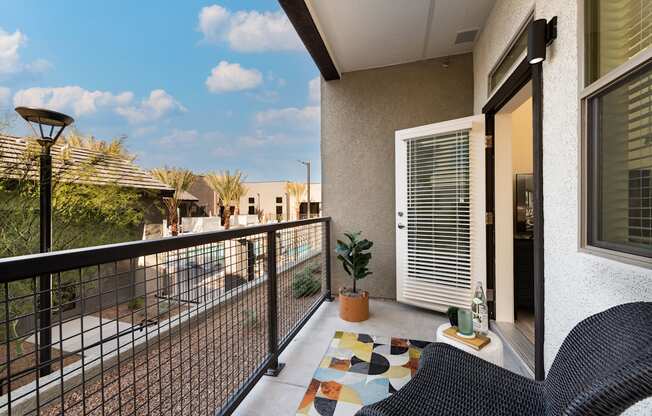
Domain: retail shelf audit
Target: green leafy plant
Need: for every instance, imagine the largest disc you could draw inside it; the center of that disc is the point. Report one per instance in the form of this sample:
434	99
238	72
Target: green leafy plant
83	214
136	303
250	319
354	256
305	283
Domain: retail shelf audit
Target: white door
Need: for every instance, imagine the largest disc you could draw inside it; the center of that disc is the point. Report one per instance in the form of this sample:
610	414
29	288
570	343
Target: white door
440	213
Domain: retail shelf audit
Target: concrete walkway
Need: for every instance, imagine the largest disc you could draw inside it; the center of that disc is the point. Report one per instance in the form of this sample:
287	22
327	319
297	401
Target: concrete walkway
95	330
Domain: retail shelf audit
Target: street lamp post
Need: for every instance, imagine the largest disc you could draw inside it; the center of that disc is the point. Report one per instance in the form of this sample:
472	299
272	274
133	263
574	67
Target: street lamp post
307	164
52	120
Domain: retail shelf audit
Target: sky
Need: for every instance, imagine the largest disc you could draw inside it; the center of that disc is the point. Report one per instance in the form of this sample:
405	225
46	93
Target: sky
200	85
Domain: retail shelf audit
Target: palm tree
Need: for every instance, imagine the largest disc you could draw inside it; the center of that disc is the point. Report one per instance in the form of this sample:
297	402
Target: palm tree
180	180
296	190
240	191
229	188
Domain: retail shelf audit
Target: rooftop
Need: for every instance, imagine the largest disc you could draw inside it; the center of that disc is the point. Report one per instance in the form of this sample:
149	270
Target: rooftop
108	169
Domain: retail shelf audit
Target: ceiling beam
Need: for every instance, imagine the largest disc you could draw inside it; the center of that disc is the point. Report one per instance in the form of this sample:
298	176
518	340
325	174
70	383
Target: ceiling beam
301	19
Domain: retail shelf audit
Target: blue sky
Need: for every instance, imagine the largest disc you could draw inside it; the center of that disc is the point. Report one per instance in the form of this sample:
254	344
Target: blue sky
195	84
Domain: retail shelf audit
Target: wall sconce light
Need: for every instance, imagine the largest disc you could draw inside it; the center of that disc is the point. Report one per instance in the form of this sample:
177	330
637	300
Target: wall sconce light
540	35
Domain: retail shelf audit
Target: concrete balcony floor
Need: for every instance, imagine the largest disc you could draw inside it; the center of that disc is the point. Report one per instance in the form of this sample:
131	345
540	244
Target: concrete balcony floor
280	396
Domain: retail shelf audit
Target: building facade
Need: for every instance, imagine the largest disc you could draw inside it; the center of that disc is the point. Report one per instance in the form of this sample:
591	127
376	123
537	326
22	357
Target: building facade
589	239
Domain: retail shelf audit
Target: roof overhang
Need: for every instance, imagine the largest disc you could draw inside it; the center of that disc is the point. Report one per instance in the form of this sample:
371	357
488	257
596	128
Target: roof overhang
344	36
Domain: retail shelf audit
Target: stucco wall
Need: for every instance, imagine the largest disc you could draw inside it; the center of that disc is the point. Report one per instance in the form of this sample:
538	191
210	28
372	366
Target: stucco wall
359	115
269	191
576	284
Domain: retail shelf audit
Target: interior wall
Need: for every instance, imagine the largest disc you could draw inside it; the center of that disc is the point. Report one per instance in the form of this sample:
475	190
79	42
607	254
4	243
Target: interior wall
522	155
359	115
513	155
577	284
503	218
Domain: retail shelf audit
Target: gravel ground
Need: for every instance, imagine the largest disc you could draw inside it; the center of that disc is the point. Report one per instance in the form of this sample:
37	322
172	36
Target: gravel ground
194	370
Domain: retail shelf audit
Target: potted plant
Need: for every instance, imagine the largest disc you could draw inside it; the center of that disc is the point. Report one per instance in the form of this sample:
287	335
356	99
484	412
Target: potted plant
355	256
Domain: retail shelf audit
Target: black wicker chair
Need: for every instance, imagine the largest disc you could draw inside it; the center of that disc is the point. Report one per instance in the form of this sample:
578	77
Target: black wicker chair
603	367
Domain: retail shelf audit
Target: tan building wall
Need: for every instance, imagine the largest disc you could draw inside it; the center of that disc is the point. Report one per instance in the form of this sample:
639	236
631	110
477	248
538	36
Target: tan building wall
359	115
265	194
577	284
206	196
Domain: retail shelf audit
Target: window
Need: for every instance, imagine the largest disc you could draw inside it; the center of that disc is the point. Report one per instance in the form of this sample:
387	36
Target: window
515	53
252	210
615	31
252	200
617	134
279	199
279	209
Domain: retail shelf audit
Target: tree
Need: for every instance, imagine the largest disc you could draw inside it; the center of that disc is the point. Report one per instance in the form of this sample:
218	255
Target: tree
229	188
83	214
296	190
179	179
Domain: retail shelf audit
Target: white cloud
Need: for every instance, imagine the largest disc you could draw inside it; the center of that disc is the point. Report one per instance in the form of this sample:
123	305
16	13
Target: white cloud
157	105
5	97
223	152
9	56
261	138
177	136
292	116
227	77
267	96
211	21
248	31
10	62
39	66
71	99
81	102
314	90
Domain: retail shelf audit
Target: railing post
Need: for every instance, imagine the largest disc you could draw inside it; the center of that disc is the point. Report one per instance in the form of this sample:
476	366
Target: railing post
272	307
251	260
328	296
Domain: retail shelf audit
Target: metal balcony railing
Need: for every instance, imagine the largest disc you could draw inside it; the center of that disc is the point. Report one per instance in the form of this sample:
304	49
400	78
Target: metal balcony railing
182	325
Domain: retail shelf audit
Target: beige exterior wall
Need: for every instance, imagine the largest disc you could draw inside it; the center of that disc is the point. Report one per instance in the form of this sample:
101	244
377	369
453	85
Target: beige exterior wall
265	193
576	284
359	115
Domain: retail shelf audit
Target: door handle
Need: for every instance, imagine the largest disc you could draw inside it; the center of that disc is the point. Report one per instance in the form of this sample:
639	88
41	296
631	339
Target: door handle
401	226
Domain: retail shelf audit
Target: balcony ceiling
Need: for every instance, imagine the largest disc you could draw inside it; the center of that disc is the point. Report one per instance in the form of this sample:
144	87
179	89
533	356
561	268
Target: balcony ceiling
365	34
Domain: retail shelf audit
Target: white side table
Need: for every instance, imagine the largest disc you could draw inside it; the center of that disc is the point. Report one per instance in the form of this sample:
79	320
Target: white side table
493	352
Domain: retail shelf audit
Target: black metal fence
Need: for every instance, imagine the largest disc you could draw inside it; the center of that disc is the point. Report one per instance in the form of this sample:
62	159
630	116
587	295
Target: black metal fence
183	325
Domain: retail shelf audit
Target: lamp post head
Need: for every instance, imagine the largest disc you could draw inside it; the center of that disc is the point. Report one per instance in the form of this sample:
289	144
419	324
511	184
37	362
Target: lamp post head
45	118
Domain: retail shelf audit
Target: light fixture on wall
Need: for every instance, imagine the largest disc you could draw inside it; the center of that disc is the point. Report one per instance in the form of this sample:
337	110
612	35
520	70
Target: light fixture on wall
540	35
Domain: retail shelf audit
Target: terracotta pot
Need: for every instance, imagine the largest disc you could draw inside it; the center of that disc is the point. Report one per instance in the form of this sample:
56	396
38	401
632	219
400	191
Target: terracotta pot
354	307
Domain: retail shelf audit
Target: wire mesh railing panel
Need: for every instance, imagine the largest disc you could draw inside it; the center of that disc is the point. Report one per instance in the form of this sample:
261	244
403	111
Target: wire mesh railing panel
177	330
300	270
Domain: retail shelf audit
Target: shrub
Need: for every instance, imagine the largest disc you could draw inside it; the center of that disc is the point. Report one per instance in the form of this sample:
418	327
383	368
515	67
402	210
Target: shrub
136	303
250	319
305	284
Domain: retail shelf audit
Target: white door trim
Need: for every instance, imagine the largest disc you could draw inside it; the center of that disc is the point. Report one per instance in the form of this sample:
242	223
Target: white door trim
475	125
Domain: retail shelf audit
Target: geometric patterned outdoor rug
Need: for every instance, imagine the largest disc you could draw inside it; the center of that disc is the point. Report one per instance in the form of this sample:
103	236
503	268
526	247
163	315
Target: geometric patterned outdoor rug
357	370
